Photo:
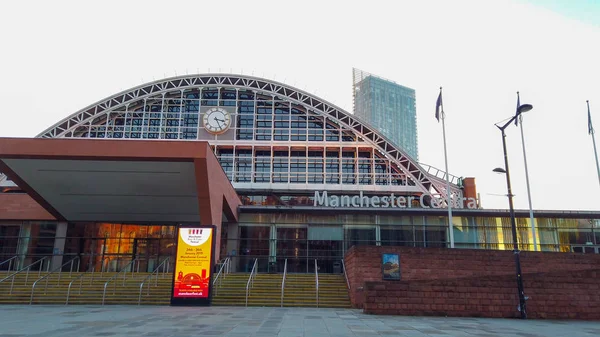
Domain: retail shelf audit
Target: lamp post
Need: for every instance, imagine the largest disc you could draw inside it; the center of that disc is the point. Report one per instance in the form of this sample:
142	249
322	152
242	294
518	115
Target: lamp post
522	108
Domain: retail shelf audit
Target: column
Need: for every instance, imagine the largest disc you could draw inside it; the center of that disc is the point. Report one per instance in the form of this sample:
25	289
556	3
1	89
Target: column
59	245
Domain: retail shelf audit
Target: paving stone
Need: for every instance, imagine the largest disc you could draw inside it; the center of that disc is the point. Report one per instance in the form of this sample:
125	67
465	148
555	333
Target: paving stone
76	321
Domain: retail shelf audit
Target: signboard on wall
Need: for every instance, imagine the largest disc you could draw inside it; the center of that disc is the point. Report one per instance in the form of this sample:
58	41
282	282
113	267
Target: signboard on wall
193	266
390	266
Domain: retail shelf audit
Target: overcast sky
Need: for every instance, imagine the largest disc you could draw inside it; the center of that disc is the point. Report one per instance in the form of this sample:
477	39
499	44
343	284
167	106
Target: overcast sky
57	57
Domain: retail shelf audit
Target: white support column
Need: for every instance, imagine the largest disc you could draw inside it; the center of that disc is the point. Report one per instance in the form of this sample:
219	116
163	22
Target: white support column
59	245
23	245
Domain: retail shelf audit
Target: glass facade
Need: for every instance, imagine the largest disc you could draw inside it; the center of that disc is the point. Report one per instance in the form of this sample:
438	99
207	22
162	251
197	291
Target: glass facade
97	245
299	237
271	140
390	107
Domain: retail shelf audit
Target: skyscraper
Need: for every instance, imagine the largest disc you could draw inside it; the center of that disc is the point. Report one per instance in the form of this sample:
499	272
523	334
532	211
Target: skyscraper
389	107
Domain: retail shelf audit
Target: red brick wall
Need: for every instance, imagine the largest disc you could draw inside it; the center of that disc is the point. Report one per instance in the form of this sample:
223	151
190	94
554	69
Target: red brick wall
20	206
467	282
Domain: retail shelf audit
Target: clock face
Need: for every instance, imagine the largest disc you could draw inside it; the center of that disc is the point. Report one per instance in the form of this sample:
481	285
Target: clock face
216	120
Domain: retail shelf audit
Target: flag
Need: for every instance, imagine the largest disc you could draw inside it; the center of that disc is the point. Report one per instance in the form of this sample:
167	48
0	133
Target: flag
517	111
590	128
439	106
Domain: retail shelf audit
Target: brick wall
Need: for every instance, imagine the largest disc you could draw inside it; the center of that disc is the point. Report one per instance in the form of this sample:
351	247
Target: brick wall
20	206
466	282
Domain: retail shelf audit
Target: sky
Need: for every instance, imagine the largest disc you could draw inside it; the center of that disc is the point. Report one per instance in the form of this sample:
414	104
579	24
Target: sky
61	56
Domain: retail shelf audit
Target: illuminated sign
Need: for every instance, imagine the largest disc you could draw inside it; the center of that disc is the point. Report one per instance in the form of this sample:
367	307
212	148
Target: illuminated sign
387	201
193	266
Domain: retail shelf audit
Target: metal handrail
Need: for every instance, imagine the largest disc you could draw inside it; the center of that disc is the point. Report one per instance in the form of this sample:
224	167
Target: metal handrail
102	270
283	281
59	269
27	268
80	278
250	279
9	262
92	267
166	270
132	264
156	270
222	271
317	280
223	267
345	275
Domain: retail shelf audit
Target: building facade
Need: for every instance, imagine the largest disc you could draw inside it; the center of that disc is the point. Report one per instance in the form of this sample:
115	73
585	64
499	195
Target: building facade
389	107
281	149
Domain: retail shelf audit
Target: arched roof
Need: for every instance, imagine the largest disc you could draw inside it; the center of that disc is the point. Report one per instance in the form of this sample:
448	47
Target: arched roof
429	183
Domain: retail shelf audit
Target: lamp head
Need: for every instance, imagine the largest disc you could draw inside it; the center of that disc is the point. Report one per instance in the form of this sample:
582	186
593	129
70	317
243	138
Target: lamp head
499	170
525	108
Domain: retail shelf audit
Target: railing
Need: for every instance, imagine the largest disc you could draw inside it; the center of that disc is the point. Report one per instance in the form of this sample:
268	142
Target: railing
251	278
47	276
283	280
434	171
165	266
222	271
9	262
80	278
345	275
104	267
317	280
26	270
124	271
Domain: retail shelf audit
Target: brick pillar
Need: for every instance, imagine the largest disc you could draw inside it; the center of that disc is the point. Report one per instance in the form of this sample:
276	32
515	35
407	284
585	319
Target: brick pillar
469	190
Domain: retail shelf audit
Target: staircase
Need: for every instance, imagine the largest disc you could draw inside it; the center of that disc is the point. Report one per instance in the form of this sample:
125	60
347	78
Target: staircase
300	291
333	291
231	290
91	290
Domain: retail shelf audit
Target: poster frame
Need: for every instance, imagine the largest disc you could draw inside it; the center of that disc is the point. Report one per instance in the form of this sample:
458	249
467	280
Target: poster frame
187	301
389	277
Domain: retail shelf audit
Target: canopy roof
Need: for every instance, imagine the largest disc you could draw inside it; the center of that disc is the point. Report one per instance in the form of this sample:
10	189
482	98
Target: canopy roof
116	180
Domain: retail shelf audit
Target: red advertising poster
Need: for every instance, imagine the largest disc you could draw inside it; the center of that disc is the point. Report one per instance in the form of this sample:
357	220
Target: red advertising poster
192	274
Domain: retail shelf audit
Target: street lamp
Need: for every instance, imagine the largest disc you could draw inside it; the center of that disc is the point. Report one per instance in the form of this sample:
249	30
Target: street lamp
521	109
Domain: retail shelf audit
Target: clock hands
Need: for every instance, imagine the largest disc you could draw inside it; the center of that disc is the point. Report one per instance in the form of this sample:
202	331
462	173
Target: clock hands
219	121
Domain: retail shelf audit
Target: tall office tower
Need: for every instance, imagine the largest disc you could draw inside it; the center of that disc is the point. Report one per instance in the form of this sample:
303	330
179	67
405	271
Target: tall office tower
389	107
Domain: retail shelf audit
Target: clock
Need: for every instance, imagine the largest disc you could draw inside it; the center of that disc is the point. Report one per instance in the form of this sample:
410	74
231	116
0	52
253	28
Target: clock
216	120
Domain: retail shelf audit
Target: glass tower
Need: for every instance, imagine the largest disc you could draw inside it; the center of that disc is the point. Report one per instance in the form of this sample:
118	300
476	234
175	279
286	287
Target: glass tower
389	107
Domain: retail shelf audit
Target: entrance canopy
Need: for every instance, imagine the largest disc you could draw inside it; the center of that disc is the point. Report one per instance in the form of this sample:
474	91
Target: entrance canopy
121	180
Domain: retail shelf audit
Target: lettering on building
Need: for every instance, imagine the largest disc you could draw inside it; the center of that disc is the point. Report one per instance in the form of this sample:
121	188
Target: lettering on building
388	201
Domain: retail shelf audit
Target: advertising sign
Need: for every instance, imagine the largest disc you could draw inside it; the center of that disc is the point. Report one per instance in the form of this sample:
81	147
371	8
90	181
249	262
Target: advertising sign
193	266
390	267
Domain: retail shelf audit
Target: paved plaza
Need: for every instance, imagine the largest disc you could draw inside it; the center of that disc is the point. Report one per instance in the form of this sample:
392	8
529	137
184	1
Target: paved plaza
83	321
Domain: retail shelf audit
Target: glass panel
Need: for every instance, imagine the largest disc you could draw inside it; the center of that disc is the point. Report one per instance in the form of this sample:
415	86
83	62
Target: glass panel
253	243
359	236
397	236
335	233
9	241
291	245
243	165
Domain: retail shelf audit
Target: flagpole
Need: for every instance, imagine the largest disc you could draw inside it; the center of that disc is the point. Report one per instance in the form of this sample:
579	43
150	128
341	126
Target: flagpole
591	131
448	198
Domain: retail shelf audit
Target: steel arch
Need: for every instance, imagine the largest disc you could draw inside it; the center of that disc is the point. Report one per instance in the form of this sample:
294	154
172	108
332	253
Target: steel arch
419	175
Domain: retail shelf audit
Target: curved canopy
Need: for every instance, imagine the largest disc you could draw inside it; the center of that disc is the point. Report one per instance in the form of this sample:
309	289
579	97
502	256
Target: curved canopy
99	114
